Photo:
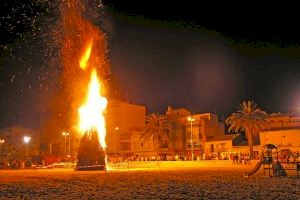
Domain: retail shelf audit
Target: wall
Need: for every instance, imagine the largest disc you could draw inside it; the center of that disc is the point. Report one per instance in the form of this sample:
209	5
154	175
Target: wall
142	146
128	118
283	121
245	149
282	138
219	146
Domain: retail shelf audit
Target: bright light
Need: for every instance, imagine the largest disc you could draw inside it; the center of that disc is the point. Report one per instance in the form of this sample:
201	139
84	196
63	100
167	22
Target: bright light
2	141
117	128
65	133
190	119
26	139
91	112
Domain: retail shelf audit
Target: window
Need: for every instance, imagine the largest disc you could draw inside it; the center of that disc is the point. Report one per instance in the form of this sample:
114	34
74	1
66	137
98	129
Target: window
125	146
196	144
142	145
125	136
222	147
211	147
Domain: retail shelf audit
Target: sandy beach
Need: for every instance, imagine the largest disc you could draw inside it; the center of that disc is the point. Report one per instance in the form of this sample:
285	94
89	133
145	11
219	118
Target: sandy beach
204	183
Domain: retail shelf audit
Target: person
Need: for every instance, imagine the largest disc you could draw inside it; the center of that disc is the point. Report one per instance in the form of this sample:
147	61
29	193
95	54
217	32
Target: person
235	159
247	159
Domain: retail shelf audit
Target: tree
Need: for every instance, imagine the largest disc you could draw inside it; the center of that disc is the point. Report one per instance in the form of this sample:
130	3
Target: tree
250	119
157	127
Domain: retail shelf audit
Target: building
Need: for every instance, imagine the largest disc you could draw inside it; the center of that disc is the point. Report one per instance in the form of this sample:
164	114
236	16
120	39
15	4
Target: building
190	136
283	121
14	147
219	144
283	131
202	135
123	122
142	147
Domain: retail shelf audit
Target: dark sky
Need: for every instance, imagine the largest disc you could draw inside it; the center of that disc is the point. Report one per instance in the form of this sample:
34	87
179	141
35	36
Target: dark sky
201	57
206	58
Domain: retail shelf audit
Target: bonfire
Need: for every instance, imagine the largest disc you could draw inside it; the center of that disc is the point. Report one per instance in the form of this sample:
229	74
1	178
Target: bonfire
85	67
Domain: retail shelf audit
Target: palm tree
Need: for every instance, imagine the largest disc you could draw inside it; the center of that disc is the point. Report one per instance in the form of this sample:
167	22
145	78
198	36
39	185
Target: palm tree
248	118
157	127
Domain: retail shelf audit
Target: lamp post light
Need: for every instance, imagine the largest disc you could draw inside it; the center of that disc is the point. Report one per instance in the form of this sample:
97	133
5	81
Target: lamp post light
282	135
191	119
66	134
26	141
1	143
116	129
69	144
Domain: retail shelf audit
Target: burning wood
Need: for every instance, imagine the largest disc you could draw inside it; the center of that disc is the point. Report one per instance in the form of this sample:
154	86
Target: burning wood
91	156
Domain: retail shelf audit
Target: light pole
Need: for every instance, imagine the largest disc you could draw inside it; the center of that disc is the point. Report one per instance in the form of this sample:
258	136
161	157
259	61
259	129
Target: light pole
191	119
65	134
116	129
69	144
1	143
26	141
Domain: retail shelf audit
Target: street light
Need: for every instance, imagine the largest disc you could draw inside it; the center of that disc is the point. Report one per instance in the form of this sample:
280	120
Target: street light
26	141
66	134
191	119
116	129
1	142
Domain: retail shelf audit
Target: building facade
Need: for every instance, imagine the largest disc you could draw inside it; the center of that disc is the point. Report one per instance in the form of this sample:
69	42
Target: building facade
184	137
203	136
123	122
126	122
15	147
190	132
283	131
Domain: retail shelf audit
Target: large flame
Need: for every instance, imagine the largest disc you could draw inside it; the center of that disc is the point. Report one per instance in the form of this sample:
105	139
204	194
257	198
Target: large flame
83	63
91	112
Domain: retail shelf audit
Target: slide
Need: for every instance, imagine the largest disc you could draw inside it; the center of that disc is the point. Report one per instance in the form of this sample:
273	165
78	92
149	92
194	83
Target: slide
256	168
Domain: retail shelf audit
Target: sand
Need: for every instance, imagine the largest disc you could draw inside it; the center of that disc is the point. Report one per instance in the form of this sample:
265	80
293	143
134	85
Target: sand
204	183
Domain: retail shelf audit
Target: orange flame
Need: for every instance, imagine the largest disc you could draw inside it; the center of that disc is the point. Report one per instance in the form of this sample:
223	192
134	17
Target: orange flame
91	112
83	63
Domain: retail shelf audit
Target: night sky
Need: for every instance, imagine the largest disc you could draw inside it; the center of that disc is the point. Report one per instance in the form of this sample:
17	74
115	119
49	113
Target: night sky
193	56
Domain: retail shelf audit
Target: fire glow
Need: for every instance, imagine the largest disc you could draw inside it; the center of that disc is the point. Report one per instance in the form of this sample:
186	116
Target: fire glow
91	112
83	63
85	74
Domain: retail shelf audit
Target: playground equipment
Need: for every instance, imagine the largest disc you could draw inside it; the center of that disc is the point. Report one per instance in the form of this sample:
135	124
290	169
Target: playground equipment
271	164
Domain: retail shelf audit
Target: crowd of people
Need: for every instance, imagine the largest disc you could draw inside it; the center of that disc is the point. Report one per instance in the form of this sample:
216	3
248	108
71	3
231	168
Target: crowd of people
15	164
126	158
240	158
236	158
289	156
